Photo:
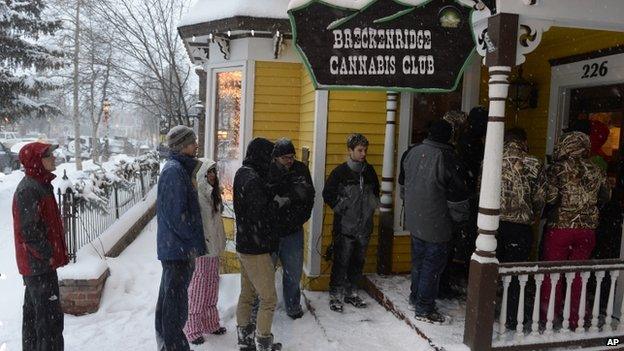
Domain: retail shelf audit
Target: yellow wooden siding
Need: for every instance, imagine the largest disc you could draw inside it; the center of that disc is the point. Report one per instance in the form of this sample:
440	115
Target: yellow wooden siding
277	101
556	43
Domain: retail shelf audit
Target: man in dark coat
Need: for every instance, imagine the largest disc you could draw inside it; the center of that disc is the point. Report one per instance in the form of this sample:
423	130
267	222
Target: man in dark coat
291	179
255	207
39	249
435	197
352	191
180	237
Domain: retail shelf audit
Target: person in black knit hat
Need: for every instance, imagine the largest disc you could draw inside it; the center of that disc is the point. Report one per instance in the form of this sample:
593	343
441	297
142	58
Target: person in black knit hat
290	179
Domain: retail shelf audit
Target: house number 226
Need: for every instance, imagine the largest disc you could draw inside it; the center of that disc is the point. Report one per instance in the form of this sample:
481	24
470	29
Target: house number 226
595	70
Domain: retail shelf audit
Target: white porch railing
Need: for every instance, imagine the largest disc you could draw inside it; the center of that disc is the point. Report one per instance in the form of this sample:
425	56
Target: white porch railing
537	324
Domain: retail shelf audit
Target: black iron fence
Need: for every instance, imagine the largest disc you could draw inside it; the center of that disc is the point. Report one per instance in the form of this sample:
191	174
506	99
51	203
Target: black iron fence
85	219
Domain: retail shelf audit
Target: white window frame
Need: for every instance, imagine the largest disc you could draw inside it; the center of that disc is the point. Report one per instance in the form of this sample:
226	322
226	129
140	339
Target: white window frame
246	105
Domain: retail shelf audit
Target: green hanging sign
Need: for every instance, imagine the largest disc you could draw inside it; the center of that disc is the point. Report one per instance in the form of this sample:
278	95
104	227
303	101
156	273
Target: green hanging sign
387	44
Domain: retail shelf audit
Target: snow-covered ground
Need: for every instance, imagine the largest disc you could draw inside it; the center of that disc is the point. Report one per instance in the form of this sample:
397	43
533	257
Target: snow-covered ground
125	320
448	336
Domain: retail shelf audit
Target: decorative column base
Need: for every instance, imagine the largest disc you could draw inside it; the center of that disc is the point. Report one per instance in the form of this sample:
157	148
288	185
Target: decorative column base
479	324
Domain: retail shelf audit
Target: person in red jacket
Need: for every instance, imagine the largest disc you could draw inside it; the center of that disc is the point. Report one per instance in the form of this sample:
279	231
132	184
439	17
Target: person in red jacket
39	249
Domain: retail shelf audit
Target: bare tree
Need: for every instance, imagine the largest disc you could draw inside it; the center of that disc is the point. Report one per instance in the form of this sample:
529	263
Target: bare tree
145	32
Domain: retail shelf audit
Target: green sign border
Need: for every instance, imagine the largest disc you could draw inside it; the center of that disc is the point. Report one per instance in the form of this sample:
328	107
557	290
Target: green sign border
386	19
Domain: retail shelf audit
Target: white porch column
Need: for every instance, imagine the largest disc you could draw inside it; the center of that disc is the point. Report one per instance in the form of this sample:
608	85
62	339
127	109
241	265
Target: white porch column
386	218
489	198
501	56
387	173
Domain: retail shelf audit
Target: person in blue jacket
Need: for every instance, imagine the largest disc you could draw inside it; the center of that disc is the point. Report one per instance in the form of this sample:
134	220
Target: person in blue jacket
180	237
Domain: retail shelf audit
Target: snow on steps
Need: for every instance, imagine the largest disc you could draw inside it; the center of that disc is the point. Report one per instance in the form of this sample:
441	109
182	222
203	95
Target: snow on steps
372	326
392	292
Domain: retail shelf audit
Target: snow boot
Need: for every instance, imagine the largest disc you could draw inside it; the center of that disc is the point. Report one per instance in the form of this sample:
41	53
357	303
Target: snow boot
246	337
355	300
433	317
335	304
219	331
198	341
265	343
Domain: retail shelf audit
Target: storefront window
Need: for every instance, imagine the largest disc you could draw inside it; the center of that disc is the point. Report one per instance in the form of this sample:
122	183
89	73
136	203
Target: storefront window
228	123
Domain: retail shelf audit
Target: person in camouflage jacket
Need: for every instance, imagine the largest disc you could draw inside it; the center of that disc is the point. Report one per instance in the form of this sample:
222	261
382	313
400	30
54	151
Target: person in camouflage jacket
522	199
576	186
576	189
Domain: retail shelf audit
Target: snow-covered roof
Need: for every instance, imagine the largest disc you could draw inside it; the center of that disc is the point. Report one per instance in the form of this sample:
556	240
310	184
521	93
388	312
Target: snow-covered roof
210	10
359	4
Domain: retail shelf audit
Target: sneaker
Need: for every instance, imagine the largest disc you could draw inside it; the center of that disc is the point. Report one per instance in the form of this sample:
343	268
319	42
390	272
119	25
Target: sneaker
198	341
219	331
296	315
335	305
355	300
411	306
433	317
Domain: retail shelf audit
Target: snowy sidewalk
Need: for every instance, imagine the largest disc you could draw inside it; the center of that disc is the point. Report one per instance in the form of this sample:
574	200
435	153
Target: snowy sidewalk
125	320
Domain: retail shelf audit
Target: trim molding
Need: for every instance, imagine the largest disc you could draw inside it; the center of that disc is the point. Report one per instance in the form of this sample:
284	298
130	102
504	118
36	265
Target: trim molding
312	266
613	50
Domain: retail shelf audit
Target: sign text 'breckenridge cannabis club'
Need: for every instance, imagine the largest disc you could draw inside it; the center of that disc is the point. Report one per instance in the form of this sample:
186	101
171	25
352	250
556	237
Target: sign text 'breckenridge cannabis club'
386	44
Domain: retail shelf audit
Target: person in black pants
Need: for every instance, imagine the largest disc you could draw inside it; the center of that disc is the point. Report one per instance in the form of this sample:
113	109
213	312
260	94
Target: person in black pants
352	191
39	249
180	237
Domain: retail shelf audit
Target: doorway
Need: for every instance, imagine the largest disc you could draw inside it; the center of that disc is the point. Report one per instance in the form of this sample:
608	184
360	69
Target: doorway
603	106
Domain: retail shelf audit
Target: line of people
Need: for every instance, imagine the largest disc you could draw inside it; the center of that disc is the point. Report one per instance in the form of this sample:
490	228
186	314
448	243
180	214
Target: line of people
440	182
273	196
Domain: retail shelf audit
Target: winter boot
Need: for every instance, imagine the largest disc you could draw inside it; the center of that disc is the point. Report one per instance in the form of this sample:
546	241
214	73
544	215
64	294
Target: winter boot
335	304
246	337
198	341
433	317
355	300
265	343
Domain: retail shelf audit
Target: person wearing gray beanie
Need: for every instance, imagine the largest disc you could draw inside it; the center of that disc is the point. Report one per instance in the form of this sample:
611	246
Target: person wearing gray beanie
179	238
179	137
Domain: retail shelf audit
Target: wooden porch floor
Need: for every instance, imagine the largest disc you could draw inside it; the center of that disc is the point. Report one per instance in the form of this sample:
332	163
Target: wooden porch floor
392	292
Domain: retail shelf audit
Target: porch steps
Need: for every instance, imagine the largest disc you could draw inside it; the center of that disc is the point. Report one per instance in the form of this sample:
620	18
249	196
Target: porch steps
372	328
392	292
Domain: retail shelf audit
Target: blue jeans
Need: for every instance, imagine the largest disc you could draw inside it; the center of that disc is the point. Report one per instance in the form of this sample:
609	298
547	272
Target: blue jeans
291	256
428	262
172	305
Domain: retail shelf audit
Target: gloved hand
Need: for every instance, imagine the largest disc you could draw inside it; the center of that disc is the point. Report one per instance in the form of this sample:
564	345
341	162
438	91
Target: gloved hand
281	201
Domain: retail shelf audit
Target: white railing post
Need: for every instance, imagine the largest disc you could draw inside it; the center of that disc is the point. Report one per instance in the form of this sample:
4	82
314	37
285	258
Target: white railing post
566	306
502	319
582	309
554	280
522	279
539	278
